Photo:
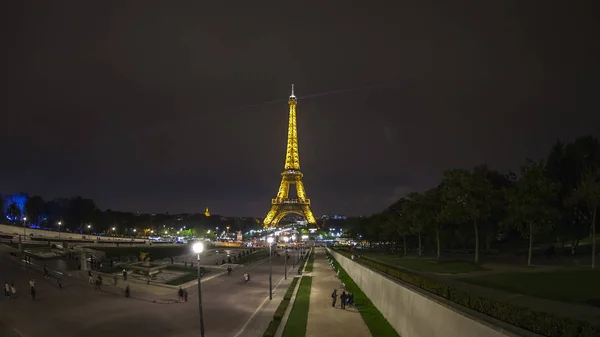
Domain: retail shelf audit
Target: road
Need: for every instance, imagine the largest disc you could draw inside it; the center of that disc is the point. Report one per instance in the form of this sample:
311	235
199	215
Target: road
79	310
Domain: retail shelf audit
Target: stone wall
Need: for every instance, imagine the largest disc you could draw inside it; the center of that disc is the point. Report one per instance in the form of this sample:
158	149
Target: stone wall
53	236
415	313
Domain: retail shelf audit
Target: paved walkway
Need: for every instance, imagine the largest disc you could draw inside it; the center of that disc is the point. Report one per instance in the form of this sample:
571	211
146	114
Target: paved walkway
322	318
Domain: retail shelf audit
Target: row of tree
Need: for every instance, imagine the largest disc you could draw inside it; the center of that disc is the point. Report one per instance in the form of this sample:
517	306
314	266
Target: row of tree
557	198
76	214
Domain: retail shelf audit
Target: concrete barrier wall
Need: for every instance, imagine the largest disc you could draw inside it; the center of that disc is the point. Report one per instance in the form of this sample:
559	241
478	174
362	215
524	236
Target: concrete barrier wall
52	235
413	314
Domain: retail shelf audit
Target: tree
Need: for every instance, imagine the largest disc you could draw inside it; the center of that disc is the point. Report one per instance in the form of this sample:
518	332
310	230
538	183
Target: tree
413	211
530	202
81	211
566	164
2	215
465	198
35	208
432	203
13	212
589	192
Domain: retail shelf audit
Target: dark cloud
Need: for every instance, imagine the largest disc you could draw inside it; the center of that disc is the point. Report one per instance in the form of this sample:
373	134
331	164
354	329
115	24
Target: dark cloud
178	107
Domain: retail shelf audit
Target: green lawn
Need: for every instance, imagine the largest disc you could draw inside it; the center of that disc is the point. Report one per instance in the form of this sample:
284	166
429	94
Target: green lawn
426	264
296	323
579	286
190	276
310	262
377	324
257	255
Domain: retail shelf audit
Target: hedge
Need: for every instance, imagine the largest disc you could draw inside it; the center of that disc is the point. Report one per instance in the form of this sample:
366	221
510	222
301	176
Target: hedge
310	262
539	322
278	315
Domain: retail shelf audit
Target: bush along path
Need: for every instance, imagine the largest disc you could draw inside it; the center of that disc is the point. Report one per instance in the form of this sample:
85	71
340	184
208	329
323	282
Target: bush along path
280	312
296	323
544	323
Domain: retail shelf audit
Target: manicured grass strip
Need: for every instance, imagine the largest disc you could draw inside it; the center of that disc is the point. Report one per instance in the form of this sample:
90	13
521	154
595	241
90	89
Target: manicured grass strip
191	276
274	324
374	320
579	286
425	264
310	262
296	323
252	257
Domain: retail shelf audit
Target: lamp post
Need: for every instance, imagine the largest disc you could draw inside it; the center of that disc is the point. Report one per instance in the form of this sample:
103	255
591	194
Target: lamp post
304	238
198	247
24	227
286	239
270	241
296	249
89	229
59	223
113	230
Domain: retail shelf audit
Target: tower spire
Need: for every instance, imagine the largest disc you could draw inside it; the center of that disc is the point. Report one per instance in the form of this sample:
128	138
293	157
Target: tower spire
292	95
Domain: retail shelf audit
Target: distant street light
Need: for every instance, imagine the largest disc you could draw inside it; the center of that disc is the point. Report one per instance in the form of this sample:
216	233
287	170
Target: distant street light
89	229
198	247
270	241
59	223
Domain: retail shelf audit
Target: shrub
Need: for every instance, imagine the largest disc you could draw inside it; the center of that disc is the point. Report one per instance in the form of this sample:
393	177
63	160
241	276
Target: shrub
290	290
539	322
272	328
281	310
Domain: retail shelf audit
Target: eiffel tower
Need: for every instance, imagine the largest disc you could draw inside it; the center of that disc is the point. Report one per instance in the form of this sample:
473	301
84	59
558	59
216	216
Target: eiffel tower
282	205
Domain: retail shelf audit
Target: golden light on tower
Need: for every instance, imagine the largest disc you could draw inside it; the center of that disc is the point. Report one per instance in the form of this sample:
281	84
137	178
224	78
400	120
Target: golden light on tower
282	204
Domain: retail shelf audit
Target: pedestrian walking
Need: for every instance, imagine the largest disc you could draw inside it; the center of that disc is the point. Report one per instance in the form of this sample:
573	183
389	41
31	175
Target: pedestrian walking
32	286
185	295
127	291
6	289
90	277
59	282
46	275
115	279
333	297
13	290
180	294
343	299
124	275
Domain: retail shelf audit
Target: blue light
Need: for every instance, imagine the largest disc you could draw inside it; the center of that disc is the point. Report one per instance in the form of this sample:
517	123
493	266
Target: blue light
19	200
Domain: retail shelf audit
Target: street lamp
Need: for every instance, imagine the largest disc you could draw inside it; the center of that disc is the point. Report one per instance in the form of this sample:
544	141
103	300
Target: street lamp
270	241
24	226
286	239
198	247
90	229
59	223
113	230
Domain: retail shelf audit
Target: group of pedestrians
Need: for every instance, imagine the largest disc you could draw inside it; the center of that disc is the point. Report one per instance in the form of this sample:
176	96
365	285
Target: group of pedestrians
183	295
346	299
9	290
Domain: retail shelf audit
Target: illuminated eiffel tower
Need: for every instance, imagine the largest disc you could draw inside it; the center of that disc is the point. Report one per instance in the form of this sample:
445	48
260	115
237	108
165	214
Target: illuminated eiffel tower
282	205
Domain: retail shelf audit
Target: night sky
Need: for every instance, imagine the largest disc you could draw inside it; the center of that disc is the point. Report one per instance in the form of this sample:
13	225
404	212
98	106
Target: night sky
183	105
